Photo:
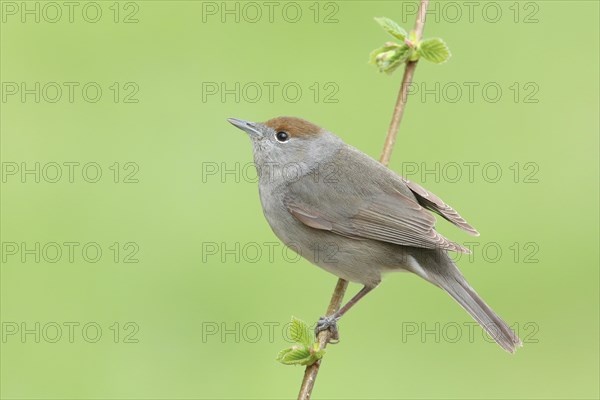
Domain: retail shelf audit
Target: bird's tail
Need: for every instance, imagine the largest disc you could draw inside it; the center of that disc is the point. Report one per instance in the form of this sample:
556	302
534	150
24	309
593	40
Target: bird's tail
437	267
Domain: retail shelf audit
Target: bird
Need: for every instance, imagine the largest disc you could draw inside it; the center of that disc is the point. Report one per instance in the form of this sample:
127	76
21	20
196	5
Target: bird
352	216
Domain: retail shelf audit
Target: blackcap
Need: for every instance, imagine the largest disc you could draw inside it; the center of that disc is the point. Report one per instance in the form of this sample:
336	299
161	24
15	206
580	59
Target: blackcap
350	215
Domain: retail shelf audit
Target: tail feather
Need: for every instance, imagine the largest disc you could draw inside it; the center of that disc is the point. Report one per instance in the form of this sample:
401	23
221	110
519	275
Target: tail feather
438	268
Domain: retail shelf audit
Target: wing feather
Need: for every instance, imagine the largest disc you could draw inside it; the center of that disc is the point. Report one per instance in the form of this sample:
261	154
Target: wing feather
437	205
392	218
379	205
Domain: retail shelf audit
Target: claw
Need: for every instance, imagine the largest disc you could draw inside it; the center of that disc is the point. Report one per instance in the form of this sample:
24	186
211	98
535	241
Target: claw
328	323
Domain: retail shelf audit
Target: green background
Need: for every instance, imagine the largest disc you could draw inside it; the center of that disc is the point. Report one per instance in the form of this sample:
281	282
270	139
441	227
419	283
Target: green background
175	214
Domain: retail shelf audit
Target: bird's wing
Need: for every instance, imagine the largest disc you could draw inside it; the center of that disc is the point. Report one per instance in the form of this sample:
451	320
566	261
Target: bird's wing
391	217
437	205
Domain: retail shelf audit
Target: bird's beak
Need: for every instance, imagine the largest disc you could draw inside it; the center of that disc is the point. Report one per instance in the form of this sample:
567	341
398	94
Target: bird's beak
247	126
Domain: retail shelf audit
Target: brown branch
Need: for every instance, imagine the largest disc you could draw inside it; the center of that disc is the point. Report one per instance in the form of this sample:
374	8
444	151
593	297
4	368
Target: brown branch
409	71
310	374
390	139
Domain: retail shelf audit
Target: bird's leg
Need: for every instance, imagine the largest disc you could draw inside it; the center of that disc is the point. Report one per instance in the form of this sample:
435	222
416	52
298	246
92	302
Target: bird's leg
330	321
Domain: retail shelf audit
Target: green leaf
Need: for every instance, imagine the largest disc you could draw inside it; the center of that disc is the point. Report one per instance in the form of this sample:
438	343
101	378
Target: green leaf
414	56
283	353
391	27
299	355
376	52
316	356
390	60
300	332
403	54
434	50
306	351
295	355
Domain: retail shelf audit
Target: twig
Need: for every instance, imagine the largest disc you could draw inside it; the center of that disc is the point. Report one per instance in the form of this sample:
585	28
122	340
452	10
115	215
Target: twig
390	139
310	374
409	71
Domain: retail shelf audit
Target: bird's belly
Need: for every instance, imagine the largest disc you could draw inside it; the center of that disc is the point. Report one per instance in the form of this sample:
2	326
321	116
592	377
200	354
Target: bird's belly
361	261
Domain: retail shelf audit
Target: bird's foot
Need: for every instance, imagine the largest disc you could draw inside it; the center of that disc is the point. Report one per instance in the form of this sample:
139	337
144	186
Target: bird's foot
328	323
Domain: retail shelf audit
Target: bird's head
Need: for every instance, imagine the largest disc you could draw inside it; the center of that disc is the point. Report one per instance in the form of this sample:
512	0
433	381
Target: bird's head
289	142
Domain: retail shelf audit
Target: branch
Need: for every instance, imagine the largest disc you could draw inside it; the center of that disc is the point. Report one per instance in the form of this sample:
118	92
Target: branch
310	374
409	71
390	139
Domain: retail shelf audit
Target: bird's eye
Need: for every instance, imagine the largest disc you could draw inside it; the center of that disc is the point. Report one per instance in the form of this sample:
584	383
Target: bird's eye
282	136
